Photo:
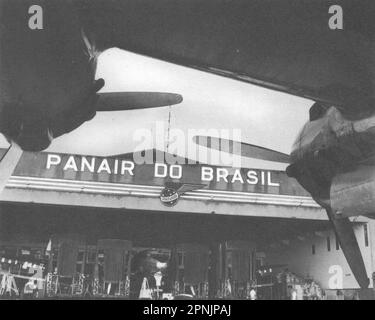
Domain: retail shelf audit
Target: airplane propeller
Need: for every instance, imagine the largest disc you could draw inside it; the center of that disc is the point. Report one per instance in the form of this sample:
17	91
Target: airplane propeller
110	101
242	149
120	101
117	101
342	226
35	137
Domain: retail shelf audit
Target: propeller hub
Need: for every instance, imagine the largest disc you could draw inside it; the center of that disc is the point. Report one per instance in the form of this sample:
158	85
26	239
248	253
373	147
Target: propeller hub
32	135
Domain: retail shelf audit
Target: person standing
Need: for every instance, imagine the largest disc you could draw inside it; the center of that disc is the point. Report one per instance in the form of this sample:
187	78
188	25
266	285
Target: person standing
29	289
253	294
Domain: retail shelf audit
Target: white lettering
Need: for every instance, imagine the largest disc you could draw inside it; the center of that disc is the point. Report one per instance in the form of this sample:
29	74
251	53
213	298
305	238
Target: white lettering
164	171
221	173
71	164
89	165
53	160
177	168
127	166
237	176
269	182
115	169
207	174
262	178
252	177
104	166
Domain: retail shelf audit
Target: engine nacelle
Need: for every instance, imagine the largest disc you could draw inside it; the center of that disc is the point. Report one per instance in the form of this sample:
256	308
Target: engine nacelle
353	193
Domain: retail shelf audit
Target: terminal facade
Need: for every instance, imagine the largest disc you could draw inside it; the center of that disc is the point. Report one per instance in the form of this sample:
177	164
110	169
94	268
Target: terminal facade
76	224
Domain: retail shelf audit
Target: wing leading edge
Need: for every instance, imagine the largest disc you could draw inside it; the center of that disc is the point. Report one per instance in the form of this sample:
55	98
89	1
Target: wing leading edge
282	45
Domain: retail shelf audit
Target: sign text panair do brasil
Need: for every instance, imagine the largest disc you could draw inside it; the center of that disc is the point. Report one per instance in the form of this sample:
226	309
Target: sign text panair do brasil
161	170
124	170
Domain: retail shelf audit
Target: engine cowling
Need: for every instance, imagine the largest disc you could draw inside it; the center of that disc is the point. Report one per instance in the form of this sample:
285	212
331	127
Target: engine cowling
353	193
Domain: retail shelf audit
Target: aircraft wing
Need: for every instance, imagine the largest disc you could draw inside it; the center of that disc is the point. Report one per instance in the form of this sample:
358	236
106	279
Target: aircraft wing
283	45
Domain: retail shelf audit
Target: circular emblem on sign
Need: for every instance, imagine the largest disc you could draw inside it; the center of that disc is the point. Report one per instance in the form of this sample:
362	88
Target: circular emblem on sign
169	197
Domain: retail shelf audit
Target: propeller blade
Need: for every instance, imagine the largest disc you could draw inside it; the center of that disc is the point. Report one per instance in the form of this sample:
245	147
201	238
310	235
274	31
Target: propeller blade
8	163
349	245
241	148
117	101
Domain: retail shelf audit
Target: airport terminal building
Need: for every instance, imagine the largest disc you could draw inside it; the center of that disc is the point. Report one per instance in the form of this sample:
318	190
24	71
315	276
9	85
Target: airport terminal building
74	223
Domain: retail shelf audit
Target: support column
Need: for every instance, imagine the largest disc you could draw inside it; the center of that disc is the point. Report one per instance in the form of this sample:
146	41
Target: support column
213	274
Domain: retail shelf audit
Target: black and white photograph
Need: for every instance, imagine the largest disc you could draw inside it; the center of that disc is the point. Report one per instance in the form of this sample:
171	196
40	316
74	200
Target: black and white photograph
201	150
